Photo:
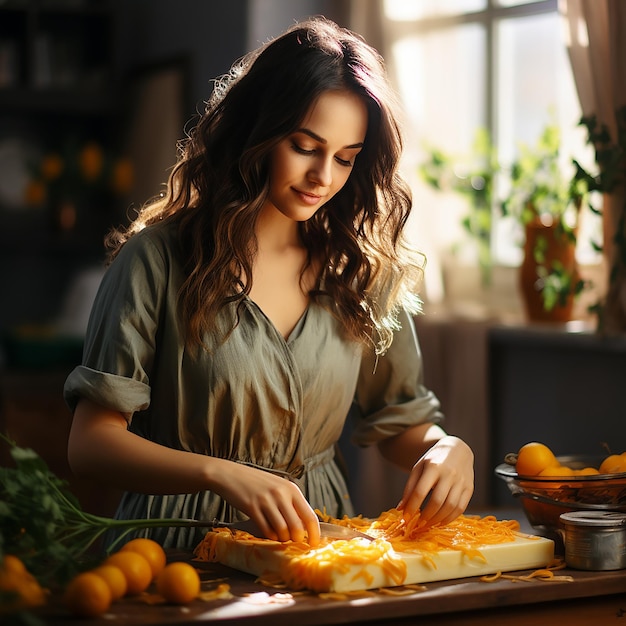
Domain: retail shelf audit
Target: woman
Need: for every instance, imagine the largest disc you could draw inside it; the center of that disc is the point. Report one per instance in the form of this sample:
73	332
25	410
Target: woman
245	310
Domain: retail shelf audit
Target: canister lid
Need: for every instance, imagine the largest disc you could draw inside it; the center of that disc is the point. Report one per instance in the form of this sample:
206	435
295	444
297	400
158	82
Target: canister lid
605	519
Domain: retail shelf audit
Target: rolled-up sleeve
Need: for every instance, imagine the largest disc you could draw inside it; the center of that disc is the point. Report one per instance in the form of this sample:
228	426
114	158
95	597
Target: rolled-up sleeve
121	335
115	392
391	395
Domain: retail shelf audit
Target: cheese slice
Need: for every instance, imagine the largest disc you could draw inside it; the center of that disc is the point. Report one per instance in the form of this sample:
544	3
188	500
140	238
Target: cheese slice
358	564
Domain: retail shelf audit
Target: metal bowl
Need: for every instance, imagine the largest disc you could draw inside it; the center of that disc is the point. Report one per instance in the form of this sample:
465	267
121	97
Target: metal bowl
544	499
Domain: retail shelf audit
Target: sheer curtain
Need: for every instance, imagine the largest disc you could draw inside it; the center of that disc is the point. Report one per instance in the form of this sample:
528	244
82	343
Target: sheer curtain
596	32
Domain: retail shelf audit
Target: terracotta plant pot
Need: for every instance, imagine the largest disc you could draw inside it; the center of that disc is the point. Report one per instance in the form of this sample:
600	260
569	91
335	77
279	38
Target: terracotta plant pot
557	247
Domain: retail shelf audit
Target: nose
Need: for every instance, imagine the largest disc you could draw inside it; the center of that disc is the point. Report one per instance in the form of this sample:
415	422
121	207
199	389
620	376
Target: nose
321	172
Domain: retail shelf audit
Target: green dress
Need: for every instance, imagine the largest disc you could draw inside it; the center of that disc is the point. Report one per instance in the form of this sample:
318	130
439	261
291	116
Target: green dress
257	398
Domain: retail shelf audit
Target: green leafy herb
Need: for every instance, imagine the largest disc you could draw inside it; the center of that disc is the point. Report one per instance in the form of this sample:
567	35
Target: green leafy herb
475	181
42	523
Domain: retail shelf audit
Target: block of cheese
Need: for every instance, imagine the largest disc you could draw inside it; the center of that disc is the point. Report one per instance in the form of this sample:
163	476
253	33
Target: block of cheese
357	564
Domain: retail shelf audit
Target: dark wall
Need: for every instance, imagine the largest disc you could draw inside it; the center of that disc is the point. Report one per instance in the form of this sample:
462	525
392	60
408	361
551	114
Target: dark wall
211	35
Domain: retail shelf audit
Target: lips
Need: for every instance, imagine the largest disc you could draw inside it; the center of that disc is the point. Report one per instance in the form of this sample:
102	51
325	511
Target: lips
307	197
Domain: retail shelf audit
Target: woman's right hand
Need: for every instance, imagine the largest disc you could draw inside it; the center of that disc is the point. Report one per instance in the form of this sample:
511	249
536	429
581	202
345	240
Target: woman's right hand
275	504
102	448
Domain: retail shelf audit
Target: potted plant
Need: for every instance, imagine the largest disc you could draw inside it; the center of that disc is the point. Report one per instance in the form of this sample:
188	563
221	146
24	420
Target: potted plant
541	199
547	205
475	181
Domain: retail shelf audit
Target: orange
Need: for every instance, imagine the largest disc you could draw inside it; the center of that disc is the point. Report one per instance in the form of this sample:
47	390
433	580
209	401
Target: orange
533	458
151	550
587	471
178	583
23	589
612	464
136	570
87	595
114	577
557	471
30	591
14	565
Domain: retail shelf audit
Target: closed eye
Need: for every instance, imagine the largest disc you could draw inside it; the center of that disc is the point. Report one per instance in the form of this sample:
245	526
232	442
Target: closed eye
301	150
344	162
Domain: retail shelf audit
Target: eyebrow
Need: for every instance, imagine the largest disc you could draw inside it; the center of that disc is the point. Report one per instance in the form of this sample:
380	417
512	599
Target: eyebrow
315	136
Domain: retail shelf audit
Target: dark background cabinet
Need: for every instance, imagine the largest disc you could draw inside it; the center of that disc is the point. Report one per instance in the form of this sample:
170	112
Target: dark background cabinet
71	72
57	57
563	389
126	76
60	85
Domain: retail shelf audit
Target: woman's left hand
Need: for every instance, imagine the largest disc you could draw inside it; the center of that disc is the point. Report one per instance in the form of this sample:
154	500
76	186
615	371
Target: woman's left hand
443	479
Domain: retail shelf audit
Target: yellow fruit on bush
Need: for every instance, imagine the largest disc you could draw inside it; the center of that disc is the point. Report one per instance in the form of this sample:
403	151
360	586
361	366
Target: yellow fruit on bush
151	550
533	458
87	595
114	577
178	583
136	570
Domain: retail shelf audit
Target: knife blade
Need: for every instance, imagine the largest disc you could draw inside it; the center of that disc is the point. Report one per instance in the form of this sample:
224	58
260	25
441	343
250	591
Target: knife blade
327	530
334	531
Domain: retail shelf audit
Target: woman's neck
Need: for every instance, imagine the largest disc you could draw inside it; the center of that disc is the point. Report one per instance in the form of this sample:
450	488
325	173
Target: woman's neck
276	233
279	287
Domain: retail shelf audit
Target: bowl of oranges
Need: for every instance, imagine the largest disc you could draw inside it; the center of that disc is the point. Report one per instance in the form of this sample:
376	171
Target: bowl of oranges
549	485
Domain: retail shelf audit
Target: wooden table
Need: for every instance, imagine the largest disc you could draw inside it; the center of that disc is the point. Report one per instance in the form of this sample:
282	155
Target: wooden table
592	598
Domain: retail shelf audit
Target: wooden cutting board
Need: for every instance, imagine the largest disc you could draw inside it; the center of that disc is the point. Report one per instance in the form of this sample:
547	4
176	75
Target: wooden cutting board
385	568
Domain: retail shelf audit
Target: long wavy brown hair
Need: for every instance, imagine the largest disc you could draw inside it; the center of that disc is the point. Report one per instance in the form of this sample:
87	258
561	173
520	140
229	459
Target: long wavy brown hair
220	182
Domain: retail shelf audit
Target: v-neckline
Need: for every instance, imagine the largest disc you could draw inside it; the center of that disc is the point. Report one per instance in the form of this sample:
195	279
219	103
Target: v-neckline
296	328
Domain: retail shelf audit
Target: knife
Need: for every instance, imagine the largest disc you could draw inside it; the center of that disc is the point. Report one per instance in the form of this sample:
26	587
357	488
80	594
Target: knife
334	531
328	530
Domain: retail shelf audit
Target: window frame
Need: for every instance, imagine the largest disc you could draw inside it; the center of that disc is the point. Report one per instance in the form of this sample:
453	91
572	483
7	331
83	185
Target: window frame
489	19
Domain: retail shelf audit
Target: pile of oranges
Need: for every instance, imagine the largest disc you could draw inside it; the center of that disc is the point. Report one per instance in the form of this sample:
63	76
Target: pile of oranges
19	589
129	572
536	459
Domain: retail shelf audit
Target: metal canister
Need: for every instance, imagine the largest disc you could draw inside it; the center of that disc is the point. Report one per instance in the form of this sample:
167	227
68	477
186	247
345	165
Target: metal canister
594	540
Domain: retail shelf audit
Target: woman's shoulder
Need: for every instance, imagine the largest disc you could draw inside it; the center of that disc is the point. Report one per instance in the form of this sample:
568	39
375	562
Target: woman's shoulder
158	239
149	259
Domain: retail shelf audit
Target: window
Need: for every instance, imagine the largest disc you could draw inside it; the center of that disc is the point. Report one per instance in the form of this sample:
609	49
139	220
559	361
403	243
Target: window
465	65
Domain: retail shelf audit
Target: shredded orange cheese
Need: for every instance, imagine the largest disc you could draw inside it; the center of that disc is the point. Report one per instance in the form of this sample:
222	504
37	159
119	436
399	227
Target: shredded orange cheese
545	574
313	568
466	533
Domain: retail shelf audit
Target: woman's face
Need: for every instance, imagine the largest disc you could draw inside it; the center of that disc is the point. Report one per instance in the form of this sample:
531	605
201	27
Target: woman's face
312	164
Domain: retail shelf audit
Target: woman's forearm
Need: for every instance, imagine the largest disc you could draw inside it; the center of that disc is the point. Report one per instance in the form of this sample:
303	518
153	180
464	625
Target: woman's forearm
406	448
101	448
441	472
